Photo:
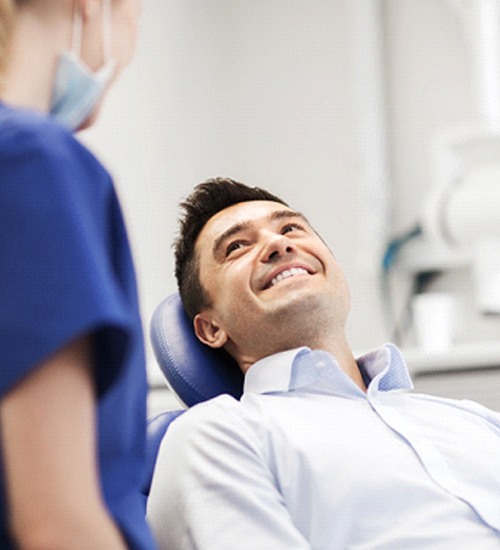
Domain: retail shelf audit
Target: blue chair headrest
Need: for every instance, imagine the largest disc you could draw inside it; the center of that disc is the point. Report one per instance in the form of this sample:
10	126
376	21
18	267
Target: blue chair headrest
195	372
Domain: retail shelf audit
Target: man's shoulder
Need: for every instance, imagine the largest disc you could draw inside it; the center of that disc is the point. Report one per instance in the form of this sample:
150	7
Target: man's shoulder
464	405
219	407
223	416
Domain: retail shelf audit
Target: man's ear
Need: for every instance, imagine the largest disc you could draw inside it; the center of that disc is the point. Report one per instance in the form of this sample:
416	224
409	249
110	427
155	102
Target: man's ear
208	331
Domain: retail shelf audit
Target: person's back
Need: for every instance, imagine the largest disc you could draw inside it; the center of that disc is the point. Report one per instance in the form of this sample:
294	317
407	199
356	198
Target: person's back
73	386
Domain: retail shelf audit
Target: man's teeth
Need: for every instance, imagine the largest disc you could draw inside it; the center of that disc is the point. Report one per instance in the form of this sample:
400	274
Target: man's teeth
288	273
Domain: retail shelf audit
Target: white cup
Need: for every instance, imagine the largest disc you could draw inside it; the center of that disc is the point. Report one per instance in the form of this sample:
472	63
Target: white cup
434	320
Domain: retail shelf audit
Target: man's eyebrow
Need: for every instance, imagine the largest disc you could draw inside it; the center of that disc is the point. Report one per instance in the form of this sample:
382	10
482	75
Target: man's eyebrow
242	226
287	214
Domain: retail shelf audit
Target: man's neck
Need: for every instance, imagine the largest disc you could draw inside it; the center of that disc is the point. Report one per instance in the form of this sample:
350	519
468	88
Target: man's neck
347	362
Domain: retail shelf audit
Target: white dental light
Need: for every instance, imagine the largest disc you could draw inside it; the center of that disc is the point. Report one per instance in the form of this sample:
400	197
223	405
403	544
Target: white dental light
463	217
463	214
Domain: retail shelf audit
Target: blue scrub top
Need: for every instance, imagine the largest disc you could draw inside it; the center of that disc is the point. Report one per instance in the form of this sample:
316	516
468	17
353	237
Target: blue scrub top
66	270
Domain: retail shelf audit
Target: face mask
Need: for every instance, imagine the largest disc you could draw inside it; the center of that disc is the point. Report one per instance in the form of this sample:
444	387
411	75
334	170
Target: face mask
77	90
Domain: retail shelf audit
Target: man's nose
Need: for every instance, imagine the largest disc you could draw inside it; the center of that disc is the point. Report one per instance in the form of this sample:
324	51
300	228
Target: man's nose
275	247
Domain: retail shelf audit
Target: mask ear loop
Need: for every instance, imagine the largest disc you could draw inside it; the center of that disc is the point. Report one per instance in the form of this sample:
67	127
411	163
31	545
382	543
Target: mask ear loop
76	39
106	29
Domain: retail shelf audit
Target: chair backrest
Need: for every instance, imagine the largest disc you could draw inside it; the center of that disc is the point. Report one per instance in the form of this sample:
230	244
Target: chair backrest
194	372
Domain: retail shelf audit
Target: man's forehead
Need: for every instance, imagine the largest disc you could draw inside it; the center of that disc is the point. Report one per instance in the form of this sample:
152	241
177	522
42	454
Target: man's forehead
243	212
238	216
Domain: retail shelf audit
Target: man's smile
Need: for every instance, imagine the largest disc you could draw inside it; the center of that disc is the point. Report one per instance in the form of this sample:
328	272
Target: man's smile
286	272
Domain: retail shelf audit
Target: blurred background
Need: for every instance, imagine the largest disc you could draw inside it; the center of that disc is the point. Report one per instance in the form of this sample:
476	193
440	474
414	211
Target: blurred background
379	119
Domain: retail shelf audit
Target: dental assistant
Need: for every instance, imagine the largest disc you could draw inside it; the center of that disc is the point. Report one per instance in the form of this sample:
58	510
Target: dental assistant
72	379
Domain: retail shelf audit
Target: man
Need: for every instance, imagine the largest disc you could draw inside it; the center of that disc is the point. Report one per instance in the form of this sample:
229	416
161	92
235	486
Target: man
322	451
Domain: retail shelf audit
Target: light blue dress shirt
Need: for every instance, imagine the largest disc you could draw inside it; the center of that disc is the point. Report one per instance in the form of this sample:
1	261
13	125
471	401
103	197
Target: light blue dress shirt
308	460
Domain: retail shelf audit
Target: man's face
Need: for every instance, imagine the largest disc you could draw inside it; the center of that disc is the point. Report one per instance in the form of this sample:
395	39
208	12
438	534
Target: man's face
269	278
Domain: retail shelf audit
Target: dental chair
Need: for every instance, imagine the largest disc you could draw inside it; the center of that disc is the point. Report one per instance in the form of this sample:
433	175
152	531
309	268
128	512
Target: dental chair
193	371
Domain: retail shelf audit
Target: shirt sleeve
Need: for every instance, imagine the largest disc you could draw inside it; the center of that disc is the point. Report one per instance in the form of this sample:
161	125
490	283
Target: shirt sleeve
57	280
212	488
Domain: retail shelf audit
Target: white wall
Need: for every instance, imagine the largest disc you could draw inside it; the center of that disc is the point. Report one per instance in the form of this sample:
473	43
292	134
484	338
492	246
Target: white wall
272	93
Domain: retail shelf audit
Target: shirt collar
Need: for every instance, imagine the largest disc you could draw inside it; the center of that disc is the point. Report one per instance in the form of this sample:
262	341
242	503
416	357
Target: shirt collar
386	369
272	374
318	371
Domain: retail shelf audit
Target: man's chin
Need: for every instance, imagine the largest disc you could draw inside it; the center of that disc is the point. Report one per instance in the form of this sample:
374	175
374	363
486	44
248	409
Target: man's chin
297	302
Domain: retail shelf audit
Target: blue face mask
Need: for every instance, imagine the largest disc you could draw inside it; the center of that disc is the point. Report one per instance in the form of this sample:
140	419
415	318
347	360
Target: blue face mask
77	90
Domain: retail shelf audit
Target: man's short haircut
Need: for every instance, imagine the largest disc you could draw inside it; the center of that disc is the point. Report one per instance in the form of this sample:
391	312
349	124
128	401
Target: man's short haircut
203	203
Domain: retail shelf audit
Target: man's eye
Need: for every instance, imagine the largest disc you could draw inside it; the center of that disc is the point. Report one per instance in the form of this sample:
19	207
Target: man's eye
231	247
291	227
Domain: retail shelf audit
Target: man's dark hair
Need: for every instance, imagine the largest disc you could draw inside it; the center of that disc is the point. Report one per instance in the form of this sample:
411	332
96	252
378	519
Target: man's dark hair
205	201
